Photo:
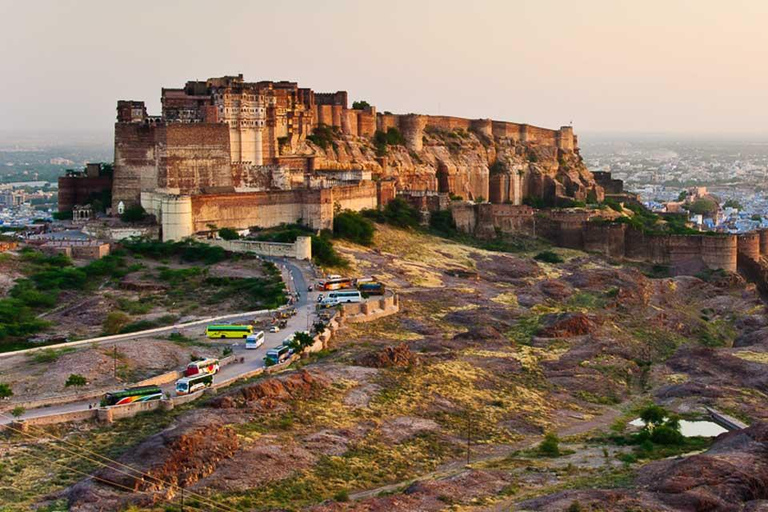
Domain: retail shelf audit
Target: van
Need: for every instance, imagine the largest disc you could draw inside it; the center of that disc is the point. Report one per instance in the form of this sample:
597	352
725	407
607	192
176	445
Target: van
277	355
254	341
328	302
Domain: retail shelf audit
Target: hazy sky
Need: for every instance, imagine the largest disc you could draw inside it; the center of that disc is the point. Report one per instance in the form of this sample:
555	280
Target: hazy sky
684	66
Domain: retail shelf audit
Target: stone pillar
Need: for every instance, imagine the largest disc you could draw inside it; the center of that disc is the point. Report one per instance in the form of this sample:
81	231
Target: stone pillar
105	415
234	143
749	245
258	155
303	248
412	128
167	405
763	242
177	217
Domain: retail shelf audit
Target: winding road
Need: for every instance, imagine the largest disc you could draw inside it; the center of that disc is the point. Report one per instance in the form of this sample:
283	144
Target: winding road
296	276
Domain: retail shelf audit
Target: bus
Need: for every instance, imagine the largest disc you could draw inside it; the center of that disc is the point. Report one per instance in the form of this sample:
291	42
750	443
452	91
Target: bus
346	296
337	284
189	385
277	355
228	331
204	366
132	395
371	288
254	341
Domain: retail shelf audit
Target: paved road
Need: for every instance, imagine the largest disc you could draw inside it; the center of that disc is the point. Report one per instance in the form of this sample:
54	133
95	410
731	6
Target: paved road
296	281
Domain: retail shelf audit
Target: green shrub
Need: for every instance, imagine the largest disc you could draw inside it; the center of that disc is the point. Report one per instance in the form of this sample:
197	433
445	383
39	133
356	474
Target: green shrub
354	227
75	379
143	325
18	411
228	234
114	322
548	257
5	390
322	135
550	446
398	212
323	252
360	105
442	222
135	213
342	496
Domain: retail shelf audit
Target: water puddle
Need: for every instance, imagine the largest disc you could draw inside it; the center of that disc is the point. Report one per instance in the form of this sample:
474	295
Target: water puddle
692	428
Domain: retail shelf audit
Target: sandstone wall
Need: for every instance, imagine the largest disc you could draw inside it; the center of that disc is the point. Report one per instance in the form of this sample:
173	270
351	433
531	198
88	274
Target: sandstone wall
749	245
193	157
78	190
135	163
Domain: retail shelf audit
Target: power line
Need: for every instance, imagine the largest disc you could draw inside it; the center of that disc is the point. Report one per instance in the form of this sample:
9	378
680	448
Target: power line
88	475
102	464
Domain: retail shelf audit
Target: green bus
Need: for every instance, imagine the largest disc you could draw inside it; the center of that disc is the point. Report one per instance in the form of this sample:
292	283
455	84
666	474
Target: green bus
132	395
228	331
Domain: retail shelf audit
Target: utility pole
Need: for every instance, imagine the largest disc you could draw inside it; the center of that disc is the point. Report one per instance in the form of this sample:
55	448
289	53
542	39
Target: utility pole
114	359
469	434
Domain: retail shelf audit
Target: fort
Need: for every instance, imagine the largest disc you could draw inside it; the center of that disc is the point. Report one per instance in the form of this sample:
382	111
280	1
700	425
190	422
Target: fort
226	152
238	154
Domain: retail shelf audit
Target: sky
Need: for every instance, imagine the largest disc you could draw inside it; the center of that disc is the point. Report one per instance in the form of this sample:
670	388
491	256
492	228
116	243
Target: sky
607	66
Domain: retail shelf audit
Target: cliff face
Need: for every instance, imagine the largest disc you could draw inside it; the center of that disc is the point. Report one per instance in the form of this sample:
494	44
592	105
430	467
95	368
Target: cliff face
464	163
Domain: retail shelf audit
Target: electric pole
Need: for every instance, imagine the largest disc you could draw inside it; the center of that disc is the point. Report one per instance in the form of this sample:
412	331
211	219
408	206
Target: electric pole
114	359
469	435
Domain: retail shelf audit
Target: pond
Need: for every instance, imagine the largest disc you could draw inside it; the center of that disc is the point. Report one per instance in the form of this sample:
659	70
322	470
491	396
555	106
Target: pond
692	428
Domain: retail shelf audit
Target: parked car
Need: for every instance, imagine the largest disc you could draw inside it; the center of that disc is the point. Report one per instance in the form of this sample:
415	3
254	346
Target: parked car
274	328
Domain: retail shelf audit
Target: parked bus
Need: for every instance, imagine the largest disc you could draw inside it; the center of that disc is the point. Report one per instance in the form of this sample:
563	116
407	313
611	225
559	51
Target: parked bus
337	284
132	395
228	331
277	355
371	288
346	296
204	366
188	385
254	341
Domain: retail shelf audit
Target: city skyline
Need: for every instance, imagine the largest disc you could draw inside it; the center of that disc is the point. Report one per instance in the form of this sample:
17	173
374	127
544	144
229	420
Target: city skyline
676	67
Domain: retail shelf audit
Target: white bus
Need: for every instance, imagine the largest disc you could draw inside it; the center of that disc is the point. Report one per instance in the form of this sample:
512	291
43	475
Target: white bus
202	366
189	385
346	296
254	340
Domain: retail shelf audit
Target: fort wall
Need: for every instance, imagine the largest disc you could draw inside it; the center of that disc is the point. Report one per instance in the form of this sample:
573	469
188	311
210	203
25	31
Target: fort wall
135	162
77	190
749	245
193	157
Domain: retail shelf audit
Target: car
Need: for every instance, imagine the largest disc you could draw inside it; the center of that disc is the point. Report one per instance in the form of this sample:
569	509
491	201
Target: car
309	288
274	328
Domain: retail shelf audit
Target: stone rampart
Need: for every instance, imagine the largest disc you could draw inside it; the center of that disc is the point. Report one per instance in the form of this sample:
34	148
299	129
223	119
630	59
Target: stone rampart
749	245
301	249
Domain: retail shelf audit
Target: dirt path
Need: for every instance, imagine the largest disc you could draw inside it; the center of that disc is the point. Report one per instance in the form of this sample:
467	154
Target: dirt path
499	452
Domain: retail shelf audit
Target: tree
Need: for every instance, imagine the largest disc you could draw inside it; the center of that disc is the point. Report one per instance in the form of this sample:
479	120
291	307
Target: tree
757	217
360	105
682	195
76	380
135	213
228	234
301	340
18	411
733	203
5	390
703	206
653	415
353	227
550	446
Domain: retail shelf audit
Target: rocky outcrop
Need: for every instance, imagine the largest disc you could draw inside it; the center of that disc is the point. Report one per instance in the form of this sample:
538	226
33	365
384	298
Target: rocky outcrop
466	164
731	476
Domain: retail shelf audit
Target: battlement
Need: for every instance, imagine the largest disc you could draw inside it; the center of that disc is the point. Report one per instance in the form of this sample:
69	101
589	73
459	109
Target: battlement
413	127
